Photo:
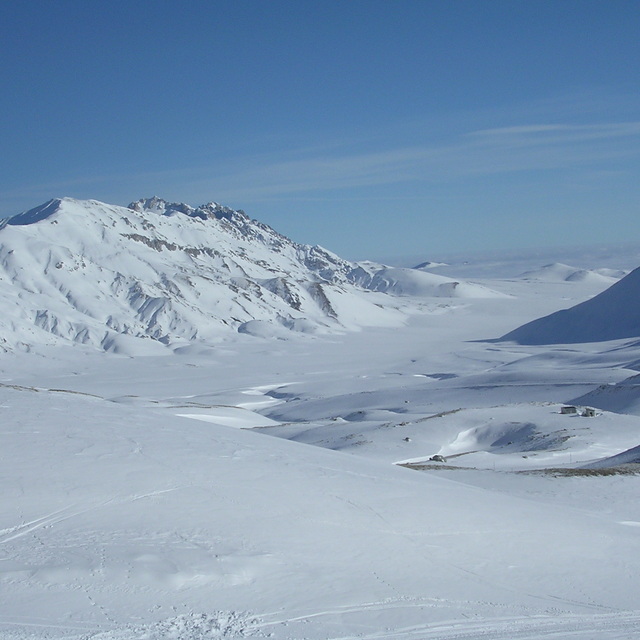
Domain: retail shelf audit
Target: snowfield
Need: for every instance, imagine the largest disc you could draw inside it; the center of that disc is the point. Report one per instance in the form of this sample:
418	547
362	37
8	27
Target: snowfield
233	458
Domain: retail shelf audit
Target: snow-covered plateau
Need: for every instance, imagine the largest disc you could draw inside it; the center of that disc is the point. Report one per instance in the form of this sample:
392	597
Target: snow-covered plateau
210	431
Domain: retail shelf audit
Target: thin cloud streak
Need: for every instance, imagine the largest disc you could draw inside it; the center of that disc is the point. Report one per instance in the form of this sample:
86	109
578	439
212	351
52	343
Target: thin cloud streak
588	131
315	172
480	153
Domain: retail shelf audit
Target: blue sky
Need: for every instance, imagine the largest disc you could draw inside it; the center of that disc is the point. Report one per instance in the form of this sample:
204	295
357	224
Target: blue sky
372	128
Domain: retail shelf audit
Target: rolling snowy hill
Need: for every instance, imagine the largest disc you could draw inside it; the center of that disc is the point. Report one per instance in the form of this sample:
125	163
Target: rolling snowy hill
612	315
622	397
157	273
559	272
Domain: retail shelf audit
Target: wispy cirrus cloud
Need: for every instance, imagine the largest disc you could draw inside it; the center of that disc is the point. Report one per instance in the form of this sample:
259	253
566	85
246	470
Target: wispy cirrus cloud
484	152
335	167
588	131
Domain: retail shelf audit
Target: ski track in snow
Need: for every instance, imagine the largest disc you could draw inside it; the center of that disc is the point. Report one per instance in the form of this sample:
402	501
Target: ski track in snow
613	627
24	528
67	513
44	522
609	626
230	625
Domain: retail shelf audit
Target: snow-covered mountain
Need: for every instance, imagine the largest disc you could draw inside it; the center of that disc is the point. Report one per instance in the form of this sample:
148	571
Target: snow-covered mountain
613	314
106	275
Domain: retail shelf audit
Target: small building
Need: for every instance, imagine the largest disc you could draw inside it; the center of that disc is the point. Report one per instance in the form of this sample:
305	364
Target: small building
589	412
568	409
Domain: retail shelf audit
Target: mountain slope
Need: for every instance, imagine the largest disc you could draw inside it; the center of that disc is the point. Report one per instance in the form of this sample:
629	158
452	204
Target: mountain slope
170	273
630	456
614	314
91	272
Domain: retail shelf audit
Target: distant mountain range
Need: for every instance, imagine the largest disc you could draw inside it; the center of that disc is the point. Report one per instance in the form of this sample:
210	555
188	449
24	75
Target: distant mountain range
170	274
559	272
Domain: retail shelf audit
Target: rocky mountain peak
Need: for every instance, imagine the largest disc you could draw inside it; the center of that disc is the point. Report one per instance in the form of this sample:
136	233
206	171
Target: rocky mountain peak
211	210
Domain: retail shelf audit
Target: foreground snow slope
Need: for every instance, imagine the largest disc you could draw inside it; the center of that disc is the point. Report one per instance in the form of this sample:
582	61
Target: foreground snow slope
112	515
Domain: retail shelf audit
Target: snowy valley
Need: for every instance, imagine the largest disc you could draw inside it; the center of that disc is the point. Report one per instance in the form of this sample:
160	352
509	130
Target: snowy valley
211	431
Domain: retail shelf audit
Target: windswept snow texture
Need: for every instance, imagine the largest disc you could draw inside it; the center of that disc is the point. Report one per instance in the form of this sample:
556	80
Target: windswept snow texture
155	274
611	315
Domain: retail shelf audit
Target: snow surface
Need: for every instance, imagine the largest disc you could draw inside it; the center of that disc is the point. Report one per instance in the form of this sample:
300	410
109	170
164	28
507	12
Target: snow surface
278	480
